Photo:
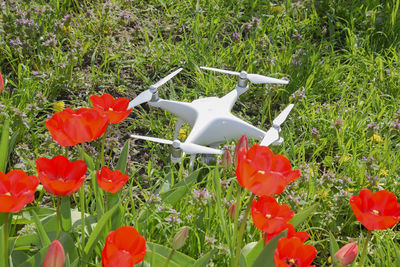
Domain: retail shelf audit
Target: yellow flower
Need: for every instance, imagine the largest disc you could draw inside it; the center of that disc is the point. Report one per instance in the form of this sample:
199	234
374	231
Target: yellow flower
58	106
376	138
277	9
68	28
346	158
182	133
384	172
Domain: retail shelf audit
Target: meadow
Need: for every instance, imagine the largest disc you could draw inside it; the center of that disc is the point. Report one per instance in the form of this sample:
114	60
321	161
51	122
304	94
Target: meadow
342	61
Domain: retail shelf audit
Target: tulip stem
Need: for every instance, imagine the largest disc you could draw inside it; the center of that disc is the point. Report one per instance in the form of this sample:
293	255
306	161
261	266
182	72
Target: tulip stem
103	141
241	231
236	218
365	249
169	257
58	217
82	202
5	239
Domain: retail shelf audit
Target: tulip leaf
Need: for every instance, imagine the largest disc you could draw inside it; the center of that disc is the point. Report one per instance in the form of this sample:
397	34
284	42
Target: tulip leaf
66	221
176	193
204	260
44	238
250	253
301	216
4	143
266	257
88	160
123	158
158	254
97	231
333	245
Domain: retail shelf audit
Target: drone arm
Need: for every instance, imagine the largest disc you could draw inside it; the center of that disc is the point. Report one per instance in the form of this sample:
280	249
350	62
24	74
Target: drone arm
182	110
233	95
178	126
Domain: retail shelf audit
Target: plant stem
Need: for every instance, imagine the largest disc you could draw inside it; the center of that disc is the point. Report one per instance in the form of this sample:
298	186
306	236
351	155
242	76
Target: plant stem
365	249
169	257
236	218
241	231
5	239
82	202
58	217
103	141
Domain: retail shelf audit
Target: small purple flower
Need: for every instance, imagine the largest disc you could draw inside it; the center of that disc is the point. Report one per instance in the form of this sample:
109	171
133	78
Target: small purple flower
210	240
396	125
338	124
372	126
255	20
297	36
236	36
247	26
314	131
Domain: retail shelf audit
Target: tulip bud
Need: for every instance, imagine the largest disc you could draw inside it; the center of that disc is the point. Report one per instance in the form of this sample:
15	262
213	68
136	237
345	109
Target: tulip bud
55	256
1	83
226	160
243	142
180	238
346	254
232	211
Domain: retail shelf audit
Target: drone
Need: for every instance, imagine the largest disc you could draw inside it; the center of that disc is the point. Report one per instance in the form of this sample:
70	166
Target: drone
210	118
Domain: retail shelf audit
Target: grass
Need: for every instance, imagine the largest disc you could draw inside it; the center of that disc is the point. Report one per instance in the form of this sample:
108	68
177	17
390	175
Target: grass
341	59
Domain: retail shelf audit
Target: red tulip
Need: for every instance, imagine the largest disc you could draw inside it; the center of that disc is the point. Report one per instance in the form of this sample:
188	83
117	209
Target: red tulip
264	173
292	252
231	212
124	248
16	190
346	254
111	181
378	210
303	236
1	83
243	142
69	127
55	256
59	176
269	216
117	109
226	160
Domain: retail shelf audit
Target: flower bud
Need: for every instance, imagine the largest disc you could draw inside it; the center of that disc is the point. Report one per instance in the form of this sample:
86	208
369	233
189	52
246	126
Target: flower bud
232	211
55	256
226	160
346	254
180	238
243	142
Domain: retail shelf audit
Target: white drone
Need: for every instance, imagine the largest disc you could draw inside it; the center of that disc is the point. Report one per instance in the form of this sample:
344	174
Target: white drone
210	118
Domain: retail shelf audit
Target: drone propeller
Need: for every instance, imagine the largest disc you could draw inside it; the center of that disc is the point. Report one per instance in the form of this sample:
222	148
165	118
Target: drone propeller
272	134
254	78
146	96
188	148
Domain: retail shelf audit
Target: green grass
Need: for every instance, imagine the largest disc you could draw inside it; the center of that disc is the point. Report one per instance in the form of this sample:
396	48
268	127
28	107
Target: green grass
344	55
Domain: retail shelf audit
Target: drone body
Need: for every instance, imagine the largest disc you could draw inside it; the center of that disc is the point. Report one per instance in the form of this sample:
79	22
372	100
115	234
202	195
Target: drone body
210	118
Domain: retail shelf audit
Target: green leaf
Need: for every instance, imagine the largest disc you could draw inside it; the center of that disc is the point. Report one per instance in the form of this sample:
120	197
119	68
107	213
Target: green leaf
97	231
44	238
204	260
266	257
65	209
301	216
176	193
158	254
4	142
123	158
333	245
89	161
250	253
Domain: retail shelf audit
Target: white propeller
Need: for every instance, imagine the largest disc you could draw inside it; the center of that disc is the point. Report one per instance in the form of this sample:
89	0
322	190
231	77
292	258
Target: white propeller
272	134
188	148
254	78
146	96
